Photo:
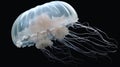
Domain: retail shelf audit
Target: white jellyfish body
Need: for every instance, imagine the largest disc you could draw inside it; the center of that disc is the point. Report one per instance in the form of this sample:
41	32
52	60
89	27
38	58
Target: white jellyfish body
43	24
40	19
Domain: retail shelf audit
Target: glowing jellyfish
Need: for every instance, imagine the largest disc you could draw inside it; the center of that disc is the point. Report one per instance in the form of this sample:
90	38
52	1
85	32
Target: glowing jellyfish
55	25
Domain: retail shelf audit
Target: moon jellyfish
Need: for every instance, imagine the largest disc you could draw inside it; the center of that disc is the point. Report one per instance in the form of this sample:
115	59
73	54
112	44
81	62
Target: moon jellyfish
54	29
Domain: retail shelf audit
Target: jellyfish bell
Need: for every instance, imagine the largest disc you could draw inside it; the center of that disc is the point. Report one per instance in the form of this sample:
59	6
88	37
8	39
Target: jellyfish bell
43	24
53	15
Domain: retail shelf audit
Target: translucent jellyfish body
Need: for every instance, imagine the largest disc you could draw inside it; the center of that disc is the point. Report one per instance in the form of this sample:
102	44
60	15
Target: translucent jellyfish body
55	25
42	19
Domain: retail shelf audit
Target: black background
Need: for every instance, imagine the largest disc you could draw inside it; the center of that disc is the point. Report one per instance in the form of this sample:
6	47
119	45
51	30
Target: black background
103	14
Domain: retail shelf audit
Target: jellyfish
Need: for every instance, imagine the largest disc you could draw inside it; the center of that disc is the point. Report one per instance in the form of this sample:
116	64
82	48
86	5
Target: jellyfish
54	29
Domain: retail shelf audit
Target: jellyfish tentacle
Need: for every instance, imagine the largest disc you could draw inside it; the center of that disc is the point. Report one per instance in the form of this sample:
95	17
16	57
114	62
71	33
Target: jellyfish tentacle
70	45
89	48
101	45
68	58
51	55
99	33
88	40
95	50
91	51
76	41
80	33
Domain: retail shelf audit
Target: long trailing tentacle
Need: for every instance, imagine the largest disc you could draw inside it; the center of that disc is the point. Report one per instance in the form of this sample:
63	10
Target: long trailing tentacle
50	55
90	51
88	41
95	31
94	49
57	50
72	46
100	36
93	37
